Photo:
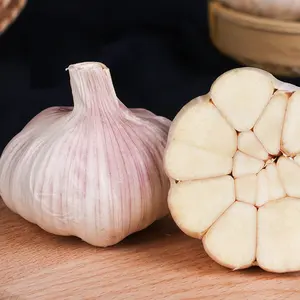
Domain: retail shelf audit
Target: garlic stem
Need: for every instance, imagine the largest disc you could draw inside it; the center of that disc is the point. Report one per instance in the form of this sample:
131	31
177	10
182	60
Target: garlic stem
93	90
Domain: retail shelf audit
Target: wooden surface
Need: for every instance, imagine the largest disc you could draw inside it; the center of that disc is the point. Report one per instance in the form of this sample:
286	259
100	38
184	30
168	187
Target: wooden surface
159	263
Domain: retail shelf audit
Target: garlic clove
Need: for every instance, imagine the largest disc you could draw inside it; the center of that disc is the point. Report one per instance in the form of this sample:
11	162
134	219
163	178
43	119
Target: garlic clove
249	144
262	193
195	163
233	89
289	173
211	196
275	186
246	188
231	240
95	170
268	128
291	128
279	221
244	164
199	118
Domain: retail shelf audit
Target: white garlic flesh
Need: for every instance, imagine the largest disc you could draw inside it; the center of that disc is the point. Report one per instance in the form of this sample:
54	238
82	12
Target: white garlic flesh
233	160
94	170
276	9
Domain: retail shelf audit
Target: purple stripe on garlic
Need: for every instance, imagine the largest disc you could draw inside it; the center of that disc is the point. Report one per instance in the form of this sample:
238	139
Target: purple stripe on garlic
94	171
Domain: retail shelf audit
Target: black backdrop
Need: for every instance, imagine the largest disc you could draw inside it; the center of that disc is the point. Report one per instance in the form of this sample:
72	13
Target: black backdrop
158	51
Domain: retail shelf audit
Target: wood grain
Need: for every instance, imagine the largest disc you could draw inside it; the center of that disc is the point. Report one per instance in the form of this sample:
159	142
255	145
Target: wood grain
158	263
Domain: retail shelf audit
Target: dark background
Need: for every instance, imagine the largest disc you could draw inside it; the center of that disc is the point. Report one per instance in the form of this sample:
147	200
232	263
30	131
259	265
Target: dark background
159	53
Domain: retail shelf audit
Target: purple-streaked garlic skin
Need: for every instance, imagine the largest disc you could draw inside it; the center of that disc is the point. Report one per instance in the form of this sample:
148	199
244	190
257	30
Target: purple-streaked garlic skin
94	171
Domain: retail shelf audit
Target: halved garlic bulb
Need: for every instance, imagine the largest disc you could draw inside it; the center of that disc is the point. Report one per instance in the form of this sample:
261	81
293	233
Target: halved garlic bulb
232	158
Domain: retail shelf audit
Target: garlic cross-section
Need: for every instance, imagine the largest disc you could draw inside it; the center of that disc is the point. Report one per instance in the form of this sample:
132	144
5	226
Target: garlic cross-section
233	159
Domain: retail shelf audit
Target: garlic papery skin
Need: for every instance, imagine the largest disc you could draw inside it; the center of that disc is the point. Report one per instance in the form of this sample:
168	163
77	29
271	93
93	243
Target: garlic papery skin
94	171
288	10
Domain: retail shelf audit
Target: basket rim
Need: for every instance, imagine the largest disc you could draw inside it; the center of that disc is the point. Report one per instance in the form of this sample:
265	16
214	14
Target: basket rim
10	13
255	22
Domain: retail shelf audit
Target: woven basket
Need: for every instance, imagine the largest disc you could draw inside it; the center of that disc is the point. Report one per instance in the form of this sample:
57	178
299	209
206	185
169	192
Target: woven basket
253	41
9	11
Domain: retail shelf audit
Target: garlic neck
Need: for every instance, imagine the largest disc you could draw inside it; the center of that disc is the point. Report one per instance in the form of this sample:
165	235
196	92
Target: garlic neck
92	89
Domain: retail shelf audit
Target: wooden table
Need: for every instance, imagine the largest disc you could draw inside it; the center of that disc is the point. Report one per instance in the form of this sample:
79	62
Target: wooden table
159	263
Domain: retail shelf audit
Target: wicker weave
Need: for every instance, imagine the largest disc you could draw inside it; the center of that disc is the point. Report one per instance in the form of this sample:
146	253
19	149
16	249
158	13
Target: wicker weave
268	44
9	11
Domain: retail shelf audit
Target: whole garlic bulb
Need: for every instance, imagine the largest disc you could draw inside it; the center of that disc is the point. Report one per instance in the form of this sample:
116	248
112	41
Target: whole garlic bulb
277	9
94	171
